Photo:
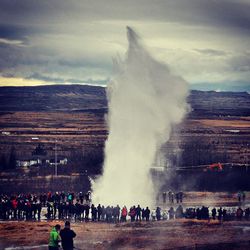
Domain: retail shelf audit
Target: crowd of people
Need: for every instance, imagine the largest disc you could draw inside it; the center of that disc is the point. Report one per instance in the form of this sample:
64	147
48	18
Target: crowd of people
241	196
177	196
224	214
29	206
21	207
78	207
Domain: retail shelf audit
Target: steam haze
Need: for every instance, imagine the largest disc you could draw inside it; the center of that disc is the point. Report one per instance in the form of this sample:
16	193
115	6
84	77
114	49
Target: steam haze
145	101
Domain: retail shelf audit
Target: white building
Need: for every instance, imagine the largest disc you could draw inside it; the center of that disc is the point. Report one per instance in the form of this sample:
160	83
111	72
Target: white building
39	162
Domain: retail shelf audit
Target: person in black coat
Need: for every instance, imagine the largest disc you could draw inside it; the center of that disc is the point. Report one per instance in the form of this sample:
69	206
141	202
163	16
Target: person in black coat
147	213
67	236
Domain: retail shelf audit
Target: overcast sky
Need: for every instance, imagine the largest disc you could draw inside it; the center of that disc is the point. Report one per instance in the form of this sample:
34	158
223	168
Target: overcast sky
207	42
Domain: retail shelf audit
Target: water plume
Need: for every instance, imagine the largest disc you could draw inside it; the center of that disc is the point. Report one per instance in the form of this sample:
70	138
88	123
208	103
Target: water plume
145	100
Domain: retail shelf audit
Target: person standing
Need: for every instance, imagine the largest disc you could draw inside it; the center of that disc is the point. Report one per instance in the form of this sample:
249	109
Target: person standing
39	209
99	212
158	213
164	197
132	213
220	214
239	196
171	213
170	196
124	214
54	238
243	196
67	236
93	212
181	196
147	213
177	197
239	213
138	213
214	213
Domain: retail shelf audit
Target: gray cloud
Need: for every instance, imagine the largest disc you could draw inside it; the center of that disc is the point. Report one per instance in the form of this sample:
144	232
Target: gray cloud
198	12
241	63
61	40
211	52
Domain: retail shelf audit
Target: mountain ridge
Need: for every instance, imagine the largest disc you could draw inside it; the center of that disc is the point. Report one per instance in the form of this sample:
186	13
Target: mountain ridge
73	98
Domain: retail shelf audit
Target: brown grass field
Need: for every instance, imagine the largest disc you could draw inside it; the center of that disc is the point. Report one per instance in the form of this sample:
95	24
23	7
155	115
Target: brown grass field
88	131
177	234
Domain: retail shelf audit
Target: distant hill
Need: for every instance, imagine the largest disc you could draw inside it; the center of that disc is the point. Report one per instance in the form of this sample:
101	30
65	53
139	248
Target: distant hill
52	98
212	103
93	98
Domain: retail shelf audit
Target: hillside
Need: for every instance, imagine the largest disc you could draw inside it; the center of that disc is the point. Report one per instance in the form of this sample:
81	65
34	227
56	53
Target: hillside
83	98
52	98
211	103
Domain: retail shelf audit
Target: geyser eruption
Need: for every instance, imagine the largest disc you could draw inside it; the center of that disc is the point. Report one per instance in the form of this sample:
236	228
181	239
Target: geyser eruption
145	101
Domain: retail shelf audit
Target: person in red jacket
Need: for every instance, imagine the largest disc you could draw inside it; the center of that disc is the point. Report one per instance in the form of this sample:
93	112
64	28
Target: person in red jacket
124	214
14	204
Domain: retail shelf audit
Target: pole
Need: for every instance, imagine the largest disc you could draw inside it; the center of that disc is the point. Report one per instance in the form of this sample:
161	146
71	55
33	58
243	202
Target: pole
55	159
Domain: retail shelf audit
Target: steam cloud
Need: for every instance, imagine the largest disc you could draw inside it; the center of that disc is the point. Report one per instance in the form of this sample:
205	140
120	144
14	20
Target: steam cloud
145	101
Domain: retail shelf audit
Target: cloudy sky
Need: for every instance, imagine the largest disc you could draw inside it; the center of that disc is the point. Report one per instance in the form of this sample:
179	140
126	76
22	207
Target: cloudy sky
68	41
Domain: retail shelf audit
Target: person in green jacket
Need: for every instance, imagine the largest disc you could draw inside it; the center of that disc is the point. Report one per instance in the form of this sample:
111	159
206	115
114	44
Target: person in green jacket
54	238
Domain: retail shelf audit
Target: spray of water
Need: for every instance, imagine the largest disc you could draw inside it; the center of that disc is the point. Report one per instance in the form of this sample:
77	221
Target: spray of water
145	101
